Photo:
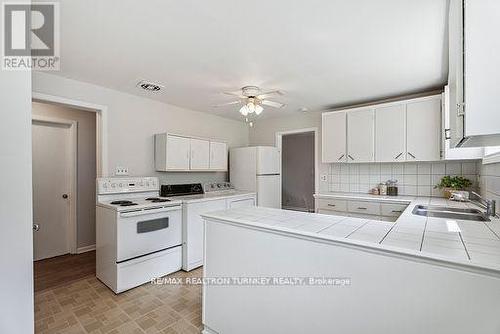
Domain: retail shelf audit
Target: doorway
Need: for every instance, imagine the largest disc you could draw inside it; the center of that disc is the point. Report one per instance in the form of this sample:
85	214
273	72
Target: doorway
64	153
298	169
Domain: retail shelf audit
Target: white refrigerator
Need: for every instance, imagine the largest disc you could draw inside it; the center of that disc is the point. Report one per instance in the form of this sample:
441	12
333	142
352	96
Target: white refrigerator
257	169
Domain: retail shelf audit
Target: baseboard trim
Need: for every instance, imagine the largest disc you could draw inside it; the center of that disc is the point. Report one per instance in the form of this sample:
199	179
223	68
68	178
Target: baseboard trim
85	249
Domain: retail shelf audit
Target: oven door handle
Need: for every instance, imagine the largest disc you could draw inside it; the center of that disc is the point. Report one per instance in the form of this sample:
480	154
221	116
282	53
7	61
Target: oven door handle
143	212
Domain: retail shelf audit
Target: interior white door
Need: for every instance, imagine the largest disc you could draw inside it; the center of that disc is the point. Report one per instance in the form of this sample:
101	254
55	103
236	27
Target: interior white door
390	136
423	130
200	154
218	156
269	191
51	188
333	137
360	136
178	153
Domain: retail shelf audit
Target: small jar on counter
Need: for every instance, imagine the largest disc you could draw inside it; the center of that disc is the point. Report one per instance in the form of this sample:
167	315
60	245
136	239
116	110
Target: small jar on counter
374	191
382	188
392	187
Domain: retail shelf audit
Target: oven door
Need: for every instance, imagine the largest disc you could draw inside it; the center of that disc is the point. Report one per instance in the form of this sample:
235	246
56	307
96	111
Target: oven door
143	232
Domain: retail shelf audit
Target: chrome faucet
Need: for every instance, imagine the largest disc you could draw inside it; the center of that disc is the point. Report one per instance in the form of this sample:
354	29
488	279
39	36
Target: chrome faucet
488	204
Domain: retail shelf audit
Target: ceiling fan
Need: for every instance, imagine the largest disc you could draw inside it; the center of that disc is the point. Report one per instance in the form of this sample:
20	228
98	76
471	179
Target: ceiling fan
253	99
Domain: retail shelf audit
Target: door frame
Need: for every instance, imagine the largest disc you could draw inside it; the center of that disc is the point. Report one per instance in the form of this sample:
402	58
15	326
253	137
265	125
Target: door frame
101	124
71	235
279	144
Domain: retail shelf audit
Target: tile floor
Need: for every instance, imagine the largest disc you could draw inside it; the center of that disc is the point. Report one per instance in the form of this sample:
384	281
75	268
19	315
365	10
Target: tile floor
88	306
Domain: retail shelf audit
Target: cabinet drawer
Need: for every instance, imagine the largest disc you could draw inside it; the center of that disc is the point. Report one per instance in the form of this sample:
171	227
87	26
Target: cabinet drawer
367	208
392	210
332	204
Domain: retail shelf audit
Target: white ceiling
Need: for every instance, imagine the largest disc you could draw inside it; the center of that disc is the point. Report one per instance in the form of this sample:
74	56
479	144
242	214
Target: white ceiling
319	52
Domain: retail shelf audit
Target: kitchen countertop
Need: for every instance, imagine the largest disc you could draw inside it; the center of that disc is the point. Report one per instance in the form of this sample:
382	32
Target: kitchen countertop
211	196
470	244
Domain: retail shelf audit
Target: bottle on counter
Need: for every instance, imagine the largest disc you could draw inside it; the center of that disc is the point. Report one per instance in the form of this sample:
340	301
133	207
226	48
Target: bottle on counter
382	189
392	187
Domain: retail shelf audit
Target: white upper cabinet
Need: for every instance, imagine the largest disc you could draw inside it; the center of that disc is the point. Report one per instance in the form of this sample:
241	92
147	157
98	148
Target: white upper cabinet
423	130
182	153
200	154
473	72
218	156
177	153
360	136
334	137
390	133
408	130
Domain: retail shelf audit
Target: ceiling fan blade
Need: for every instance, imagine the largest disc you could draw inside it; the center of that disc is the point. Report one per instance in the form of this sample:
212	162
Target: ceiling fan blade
273	104
237	93
265	95
226	104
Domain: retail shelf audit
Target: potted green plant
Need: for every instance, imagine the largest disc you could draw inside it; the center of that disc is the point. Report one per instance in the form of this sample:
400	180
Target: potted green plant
451	183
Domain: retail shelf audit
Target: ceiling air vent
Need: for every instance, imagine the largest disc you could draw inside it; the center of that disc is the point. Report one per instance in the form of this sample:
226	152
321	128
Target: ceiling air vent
149	86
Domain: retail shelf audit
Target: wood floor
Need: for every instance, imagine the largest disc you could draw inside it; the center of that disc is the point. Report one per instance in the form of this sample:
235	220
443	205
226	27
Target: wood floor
69	299
57	271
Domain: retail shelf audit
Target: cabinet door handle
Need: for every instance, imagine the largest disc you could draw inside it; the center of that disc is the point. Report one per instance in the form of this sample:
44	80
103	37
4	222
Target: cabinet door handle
331	205
447	133
361	208
397	156
341	157
411	155
397	211
350	157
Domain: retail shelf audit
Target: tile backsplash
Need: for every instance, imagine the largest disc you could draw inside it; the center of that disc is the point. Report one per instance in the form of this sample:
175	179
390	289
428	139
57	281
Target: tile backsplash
490	181
413	178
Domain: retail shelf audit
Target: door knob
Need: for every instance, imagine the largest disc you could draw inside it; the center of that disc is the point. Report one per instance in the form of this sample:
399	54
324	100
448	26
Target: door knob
36	227
65	196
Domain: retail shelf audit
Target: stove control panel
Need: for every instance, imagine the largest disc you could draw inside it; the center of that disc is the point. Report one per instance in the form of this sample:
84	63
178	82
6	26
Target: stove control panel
115	185
209	187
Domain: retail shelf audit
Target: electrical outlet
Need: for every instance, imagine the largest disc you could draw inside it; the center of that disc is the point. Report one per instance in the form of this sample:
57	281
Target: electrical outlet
323	178
121	171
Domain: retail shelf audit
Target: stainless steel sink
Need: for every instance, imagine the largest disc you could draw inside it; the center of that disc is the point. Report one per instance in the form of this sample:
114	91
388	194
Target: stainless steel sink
450	213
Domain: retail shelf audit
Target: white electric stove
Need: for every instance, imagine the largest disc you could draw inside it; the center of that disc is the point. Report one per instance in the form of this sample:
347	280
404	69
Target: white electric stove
138	234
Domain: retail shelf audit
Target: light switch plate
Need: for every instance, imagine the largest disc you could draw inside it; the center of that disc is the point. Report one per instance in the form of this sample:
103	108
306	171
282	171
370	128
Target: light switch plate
121	171
323	178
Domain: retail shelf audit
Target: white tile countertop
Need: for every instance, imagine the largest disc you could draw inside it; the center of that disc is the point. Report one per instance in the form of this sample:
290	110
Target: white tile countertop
468	244
212	196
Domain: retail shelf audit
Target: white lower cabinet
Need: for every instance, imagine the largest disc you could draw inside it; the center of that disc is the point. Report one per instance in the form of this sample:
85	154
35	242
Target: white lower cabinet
367	209
193	225
192	232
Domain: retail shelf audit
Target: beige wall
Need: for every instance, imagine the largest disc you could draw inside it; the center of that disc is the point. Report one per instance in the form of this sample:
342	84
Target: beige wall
132	121
86	161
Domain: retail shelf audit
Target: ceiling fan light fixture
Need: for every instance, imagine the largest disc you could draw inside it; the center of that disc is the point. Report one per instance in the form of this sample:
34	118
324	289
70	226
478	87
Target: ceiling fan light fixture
244	110
251	107
258	109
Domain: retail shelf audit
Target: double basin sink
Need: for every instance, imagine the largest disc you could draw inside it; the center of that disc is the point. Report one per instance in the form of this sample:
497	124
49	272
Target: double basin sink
450	213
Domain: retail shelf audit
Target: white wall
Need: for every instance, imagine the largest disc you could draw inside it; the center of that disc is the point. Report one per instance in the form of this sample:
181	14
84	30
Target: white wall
16	238
132	121
86	161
